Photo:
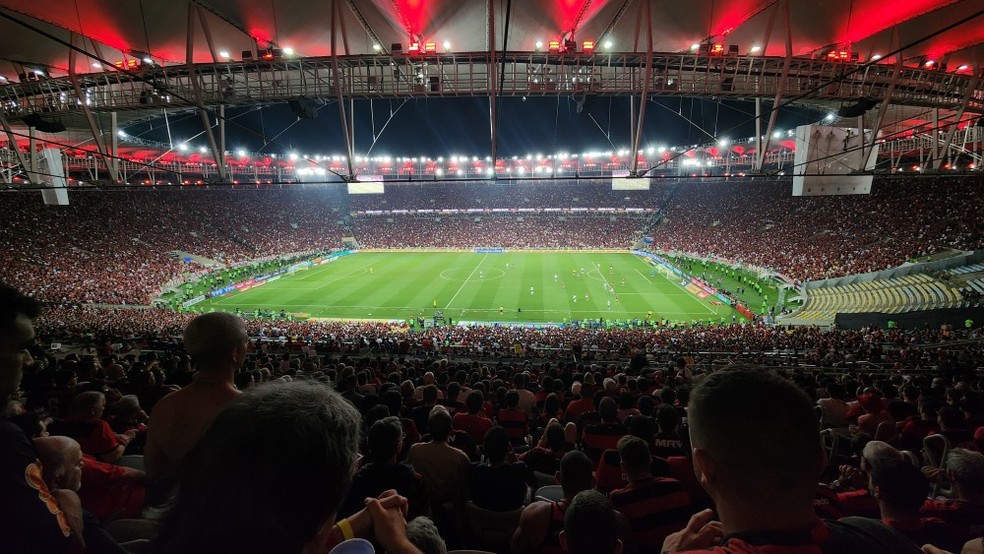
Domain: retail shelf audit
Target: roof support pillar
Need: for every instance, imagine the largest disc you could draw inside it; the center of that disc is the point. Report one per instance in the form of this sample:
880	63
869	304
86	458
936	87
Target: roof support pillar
647	77
774	113
12	145
968	94
336	79
882	110
217	155
492	76
111	163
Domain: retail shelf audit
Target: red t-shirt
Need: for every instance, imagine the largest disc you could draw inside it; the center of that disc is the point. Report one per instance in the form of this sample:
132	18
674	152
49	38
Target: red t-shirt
475	425
107	494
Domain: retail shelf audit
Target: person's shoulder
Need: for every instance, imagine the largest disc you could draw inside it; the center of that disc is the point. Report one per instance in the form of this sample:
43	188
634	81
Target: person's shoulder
861	534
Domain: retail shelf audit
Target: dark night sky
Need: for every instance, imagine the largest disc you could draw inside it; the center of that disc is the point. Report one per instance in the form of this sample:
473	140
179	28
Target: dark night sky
446	126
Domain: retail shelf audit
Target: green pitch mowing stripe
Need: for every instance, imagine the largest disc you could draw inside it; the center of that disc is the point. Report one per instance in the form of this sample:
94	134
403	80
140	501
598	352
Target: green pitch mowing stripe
528	287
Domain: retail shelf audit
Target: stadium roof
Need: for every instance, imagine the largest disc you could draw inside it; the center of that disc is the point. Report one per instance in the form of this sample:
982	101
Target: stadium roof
159	27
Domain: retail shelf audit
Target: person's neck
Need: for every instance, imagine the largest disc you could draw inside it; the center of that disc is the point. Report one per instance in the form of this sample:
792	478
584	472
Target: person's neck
214	378
888	513
766	516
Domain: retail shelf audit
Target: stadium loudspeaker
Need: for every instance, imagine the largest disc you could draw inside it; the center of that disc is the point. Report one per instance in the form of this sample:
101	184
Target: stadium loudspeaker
42	124
304	108
857	109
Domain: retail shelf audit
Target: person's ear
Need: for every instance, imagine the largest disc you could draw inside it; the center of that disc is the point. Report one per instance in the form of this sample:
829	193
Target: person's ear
703	467
563	541
618	546
557	477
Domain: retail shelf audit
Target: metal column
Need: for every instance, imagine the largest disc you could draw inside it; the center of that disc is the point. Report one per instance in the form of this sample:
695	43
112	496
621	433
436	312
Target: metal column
647	79
337	82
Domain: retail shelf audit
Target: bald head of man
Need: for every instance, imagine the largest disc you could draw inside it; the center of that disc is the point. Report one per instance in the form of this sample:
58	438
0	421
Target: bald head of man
216	341
61	461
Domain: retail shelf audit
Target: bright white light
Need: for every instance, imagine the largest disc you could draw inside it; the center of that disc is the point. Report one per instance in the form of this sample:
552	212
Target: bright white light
288	51
520	170
539	44
529	157
695	47
438	172
964	67
2	78
623	152
461	172
241	153
447	45
876	57
723	142
777	134
202	149
38	72
183	147
293	156
661	149
377	48
755	49
147	59
607	44
97	65
489	171
224	54
121	133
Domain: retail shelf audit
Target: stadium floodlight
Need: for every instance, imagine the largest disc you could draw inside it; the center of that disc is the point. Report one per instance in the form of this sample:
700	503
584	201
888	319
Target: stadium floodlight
695	47
650	150
607	44
241	153
183	146
539	45
447	46
2	79
490	171
293	156
876	57
539	157
474	158
461	172
121	133
288	51
830	117
520	170
724	142
963	67
777	134
224	54
661	149
755	49
97	65
377	48
202	149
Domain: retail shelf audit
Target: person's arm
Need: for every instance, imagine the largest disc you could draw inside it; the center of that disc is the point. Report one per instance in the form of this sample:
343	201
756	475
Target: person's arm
699	534
111	446
531	527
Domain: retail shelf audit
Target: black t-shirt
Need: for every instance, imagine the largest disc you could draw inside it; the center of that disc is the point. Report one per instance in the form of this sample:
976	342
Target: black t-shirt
501	488
30	520
373	479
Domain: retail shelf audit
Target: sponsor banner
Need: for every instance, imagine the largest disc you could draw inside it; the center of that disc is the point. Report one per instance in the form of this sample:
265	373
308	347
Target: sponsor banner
193	301
490	250
221	291
723	298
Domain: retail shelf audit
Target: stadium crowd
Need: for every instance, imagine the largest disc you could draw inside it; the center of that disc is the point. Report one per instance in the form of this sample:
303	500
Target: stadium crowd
807	238
490	231
690	455
115	247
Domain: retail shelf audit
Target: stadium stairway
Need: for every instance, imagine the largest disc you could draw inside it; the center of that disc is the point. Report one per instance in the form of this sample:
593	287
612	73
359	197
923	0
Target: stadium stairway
893	295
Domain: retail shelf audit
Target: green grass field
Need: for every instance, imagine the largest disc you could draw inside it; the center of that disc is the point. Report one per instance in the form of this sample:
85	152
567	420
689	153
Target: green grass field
469	286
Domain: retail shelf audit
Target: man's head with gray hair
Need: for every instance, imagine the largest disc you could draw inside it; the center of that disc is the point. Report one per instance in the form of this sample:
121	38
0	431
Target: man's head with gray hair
876	451
422	533
966	469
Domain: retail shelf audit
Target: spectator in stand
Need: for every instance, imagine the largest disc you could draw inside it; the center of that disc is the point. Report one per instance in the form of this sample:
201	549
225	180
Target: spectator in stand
546	455
380	471
901	489
541	522
604	435
654	506
965	471
669	440
757	454
515	421
85	424
874	413
420	414
527	400
217	343
834	407
590	525
473	421
953	426
499	484
423	534
256	468
914	429
443	468
582	405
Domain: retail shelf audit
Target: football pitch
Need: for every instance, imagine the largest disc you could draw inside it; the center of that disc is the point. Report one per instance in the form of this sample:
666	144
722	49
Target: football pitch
511	287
